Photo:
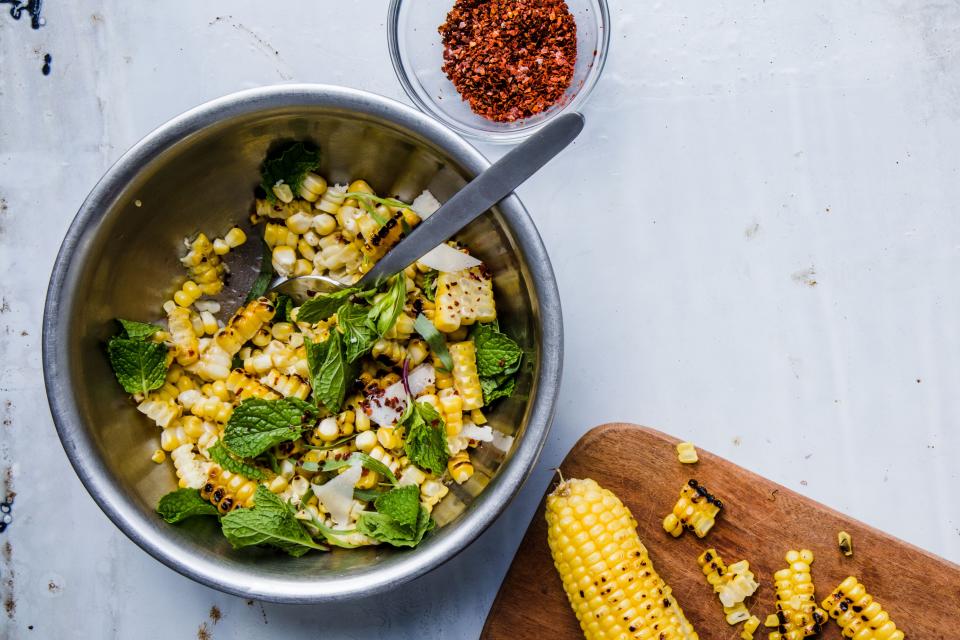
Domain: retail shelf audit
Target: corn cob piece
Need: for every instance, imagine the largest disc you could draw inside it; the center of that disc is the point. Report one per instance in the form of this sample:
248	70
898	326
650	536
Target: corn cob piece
858	614
797	611
749	626
696	510
845	543
204	265
464	297
606	571
460	467
686	453
244	386
465	377
732	584
389	234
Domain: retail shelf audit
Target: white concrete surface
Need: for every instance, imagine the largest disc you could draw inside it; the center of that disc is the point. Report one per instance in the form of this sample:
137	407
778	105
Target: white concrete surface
757	241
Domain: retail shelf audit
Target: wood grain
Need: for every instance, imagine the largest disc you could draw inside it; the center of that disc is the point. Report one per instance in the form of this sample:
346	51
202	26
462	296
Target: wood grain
761	520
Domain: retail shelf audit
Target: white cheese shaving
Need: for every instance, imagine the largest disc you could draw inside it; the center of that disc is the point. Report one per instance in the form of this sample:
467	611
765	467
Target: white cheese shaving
445	258
425	204
336	495
386	408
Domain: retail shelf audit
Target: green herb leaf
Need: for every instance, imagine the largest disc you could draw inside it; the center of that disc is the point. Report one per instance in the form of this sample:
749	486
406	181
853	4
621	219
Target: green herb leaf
426	442
366	461
367	495
494	388
270	521
182	504
283	305
140	366
137	330
359	332
330	374
257	424
430	285
497	353
219	454
324	305
381	526
388	308
262	283
438	344
289	166
332	536
402	504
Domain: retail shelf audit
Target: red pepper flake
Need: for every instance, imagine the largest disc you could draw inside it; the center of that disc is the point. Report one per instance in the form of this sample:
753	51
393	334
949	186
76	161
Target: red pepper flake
510	59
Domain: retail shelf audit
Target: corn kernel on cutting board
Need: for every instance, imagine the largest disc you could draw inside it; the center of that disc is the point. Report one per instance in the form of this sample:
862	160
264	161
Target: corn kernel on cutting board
761	520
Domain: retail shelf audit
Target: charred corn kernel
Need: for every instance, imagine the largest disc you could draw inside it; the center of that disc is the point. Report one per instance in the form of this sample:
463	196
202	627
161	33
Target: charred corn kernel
606	572
219	389
328	430
283	192
244	386
235	237
162	412
312	187
417	351
324	224
300	223
282	331
289	386
391	350
736	614
203	266
159	456
465	377
686	453
444	378
732	584
460	467
845	542
278	210
216	361
464	297
332	198
220	247
184	338
362	421
278	235
366	441
477	417
209	323
386	458
451	407
696	510
432	491
205	407
262	337
798	615
860	616
389	438
386	236
284	259
749	626
302	267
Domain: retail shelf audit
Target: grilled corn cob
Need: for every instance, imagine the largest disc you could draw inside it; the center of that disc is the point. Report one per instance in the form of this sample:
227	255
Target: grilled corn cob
606	571
858	614
696	510
797	611
466	380
464	297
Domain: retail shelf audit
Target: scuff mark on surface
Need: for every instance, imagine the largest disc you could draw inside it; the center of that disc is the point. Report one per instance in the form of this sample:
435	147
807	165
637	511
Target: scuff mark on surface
215	615
203	632
4	306
806	277
751	231
261	43
9	596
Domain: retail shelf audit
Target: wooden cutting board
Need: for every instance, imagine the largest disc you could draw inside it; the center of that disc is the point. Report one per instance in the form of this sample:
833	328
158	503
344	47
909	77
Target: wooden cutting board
761	520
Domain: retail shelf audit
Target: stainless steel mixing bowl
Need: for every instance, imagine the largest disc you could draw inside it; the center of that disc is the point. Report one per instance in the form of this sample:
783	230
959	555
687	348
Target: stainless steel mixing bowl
119	259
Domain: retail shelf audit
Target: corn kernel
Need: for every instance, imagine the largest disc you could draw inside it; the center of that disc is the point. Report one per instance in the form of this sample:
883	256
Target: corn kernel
159	456
324	224
235	237
300	222
687	453
284	259
220	247
366	440
283	192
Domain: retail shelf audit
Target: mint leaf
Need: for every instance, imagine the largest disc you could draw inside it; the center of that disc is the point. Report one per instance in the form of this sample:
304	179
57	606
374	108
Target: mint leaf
497	353
324	305
265	277
140	366
494	388
430	285
382	527
137	330
290	166
184	503
283	305
388	308
359	332
426	442
330	374
257	424
270	521
438	344
402	504
219	454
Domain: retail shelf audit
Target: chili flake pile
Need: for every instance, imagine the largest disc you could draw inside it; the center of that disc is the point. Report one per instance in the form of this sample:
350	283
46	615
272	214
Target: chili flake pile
510	59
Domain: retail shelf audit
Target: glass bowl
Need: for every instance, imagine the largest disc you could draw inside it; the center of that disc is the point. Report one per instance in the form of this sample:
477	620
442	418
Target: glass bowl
417	53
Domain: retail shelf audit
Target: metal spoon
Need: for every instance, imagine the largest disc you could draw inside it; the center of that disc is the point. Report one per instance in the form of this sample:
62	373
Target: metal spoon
481	193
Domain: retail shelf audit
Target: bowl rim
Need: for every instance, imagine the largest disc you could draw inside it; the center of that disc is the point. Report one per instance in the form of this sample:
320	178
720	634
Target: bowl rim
114	499
509	136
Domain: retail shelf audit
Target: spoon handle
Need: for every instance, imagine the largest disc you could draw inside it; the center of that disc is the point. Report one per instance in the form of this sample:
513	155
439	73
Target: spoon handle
481	193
